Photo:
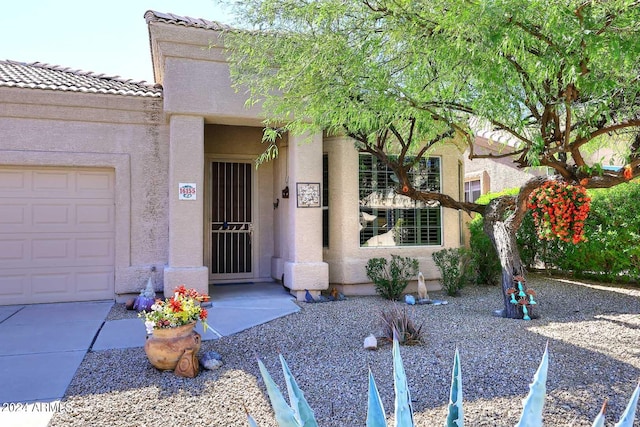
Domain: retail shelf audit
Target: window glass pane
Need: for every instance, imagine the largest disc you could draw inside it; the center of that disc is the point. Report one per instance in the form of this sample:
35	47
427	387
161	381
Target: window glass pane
325	200
471	190
390	219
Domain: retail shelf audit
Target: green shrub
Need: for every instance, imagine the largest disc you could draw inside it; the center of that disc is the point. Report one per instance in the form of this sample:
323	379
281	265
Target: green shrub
610	252
612	229
391	278
485	264
454	265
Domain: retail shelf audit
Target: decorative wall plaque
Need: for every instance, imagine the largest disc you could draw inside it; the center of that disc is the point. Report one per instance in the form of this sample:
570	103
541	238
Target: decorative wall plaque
308	194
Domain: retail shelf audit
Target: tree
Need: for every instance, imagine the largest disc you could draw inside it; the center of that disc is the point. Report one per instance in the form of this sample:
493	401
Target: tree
400	76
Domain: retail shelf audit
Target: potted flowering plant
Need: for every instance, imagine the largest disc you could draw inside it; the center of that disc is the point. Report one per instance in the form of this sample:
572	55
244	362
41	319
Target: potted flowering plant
170	327
182	308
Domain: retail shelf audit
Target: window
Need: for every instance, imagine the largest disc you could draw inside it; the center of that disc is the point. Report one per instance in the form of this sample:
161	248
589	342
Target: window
472	190
325	201
390	219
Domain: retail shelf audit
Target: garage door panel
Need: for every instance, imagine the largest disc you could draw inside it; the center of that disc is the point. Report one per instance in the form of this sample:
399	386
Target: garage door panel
95	215
16	287
96	250
49	214
95	184
12	215
94	281
57	234
13	181
50	250
55	249
51	282
52	182
12	251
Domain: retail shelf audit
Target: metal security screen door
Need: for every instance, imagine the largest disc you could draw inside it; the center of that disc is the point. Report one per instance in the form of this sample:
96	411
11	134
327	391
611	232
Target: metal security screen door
231	220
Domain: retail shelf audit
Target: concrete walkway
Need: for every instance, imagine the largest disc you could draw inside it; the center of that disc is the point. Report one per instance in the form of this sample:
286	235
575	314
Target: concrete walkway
44	344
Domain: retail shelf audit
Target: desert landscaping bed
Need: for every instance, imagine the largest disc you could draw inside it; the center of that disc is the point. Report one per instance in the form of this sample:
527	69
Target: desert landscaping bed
593	332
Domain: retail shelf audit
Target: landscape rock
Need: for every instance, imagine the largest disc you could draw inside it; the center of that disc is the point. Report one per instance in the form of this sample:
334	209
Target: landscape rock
370	343
211	360
409	299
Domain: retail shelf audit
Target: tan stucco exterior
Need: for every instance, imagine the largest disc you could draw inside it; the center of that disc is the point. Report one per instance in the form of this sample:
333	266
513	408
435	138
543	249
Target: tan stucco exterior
154	145
346	258
126	134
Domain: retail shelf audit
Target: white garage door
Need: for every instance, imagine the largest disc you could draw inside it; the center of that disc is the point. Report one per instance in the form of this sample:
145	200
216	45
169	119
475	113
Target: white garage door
56	234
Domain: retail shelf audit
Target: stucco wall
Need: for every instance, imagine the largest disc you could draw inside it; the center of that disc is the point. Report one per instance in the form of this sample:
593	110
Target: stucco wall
346	258
496	174
128	134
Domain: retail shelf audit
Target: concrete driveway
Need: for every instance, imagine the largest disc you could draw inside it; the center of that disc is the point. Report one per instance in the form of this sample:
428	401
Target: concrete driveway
44	344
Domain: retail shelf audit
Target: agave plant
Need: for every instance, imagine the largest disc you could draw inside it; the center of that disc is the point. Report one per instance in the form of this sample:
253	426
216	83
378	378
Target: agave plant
298	413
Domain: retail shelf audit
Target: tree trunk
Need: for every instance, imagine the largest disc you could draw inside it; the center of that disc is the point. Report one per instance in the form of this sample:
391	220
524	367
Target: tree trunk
503	236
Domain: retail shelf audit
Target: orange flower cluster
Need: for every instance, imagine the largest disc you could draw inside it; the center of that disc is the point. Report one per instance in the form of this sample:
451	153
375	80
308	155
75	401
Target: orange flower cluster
559	210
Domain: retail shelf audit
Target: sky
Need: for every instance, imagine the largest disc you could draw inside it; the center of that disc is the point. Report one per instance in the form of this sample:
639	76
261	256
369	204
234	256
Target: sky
104	36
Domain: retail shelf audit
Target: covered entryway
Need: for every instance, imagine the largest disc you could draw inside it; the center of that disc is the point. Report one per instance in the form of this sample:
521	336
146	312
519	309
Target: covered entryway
57	233
231	221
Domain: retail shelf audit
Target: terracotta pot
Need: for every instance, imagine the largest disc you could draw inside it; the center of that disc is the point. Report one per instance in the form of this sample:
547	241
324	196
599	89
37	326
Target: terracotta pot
165	346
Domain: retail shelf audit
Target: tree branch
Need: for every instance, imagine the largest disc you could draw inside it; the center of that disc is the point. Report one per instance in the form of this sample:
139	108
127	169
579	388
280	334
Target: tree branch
444	200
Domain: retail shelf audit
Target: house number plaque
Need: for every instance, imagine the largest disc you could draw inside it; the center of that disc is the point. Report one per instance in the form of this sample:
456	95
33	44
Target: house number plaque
187	191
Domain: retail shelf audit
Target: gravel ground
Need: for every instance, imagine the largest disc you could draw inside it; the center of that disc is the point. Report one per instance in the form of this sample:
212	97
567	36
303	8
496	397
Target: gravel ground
593	333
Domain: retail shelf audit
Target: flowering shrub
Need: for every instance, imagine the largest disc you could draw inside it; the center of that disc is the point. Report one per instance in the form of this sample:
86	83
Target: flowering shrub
559	211
180	309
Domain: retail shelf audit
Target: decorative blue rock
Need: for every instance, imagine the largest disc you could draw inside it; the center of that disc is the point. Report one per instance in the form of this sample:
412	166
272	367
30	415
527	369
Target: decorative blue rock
211	360
409	299
308	297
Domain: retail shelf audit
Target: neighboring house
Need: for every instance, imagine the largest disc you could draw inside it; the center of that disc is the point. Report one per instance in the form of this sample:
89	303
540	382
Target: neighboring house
105	182
492	175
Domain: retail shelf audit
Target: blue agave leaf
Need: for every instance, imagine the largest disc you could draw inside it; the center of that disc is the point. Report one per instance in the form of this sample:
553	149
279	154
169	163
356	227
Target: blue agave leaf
252	422
533	404
599	421
285	416
456	413
303	412
630	412
403	409
375	409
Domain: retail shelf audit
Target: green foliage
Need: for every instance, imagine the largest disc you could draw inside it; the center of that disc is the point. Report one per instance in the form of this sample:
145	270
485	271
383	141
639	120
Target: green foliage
397	323
612	232
367	68
610	252
484	260
391	278
454	265
532	411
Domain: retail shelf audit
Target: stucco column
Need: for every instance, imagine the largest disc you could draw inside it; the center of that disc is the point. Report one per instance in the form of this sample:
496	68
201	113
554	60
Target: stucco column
186	166
304	268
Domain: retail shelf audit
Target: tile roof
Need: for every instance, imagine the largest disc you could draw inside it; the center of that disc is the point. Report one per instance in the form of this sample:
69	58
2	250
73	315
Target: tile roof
53	77
185	21
484	129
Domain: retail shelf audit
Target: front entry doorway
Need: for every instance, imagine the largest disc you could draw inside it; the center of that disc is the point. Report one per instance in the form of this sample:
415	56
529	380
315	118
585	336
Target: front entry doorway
231	221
